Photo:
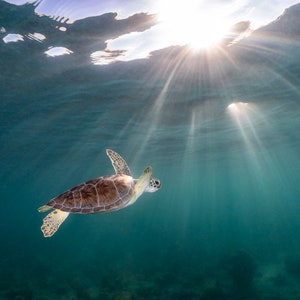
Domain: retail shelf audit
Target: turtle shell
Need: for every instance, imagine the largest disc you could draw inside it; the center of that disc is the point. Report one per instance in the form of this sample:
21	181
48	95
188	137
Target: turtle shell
101	194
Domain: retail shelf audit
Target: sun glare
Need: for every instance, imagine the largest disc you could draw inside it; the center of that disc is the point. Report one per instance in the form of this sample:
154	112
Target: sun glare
195	23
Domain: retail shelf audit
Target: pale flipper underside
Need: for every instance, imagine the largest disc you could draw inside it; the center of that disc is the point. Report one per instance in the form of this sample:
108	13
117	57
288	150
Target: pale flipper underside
52	222
141	185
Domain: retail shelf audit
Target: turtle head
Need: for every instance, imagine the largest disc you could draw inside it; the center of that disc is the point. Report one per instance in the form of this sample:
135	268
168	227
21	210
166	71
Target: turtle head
154	185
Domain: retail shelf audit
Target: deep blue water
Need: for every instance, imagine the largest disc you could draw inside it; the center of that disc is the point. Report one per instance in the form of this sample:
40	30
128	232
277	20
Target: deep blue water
225	224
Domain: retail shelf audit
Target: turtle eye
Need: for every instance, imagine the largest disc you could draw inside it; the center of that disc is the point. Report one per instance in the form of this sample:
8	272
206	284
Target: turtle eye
157	183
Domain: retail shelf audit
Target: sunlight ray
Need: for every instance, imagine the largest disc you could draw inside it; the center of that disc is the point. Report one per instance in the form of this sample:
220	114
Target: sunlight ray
156	111
239	110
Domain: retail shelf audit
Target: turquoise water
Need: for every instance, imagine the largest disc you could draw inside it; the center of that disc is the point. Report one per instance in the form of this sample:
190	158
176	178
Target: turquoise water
225	224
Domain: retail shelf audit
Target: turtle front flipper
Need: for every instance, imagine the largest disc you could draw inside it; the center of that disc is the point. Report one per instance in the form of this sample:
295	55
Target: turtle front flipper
141	185
52	222
118	162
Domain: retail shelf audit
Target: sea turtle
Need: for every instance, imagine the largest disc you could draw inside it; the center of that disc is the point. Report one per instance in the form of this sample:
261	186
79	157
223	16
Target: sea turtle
102	194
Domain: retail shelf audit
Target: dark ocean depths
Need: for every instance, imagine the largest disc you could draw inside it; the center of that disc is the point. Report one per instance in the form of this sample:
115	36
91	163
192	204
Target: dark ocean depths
225	224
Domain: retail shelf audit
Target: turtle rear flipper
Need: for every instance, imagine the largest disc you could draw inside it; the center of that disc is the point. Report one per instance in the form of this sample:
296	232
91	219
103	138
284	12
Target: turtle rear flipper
52	222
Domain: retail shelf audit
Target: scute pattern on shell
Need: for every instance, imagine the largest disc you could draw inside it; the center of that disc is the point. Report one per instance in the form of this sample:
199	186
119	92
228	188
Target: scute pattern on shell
97	195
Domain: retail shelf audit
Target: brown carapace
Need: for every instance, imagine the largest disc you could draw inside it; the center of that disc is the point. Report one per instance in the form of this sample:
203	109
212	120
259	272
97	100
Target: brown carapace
97	195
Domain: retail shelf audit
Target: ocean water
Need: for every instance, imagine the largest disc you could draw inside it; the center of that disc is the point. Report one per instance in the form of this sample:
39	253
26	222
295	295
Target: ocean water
225	224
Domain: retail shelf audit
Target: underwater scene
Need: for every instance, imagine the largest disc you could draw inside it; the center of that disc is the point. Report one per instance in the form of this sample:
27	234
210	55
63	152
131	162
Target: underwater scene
216	114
